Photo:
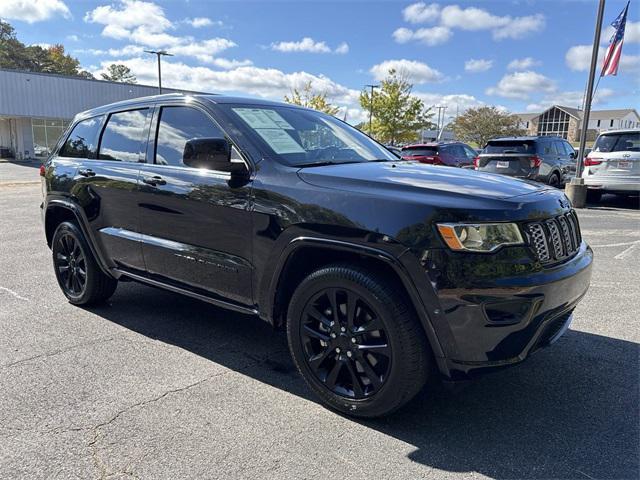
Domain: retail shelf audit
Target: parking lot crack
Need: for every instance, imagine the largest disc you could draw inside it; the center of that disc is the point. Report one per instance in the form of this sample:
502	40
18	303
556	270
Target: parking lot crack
58	351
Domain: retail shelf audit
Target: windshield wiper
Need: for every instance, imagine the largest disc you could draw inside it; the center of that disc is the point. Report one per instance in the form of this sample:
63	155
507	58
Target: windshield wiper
325	163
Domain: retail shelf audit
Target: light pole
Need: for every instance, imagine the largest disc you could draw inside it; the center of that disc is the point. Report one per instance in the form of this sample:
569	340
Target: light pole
371	105
159	53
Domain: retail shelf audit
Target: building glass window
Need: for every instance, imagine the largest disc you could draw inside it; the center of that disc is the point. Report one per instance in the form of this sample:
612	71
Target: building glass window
554	122
46	132
611	123
598	123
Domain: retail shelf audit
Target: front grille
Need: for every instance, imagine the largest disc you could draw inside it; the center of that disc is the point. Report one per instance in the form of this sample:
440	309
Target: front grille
554	239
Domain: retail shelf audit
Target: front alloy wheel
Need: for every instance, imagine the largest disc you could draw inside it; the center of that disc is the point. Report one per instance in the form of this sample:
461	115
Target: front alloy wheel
345	343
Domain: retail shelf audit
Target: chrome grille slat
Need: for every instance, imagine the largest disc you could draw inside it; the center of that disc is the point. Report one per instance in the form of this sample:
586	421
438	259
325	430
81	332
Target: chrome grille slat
556	238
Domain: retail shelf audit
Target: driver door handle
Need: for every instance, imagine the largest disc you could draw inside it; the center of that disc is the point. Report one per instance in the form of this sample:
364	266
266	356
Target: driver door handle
154	181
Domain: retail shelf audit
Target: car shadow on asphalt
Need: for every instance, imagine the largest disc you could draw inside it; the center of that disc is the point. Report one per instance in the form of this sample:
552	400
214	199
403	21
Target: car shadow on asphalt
616	202
571	411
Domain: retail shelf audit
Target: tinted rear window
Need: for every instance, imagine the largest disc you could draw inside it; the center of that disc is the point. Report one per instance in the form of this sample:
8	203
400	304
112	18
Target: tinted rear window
423	151
618	142
122	138
82	143
510	147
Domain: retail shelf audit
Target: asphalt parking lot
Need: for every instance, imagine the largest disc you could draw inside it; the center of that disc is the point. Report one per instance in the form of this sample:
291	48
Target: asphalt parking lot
154	385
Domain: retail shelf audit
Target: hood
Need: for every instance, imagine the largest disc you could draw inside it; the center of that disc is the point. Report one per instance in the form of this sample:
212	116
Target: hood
398	178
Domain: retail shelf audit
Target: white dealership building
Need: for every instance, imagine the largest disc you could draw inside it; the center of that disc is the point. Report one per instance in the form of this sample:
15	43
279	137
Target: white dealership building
35	108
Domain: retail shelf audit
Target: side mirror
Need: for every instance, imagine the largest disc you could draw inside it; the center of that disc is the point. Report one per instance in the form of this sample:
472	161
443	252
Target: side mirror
212	154
573	155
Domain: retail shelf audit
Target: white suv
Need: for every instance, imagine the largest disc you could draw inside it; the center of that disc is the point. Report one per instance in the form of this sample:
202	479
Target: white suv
613	166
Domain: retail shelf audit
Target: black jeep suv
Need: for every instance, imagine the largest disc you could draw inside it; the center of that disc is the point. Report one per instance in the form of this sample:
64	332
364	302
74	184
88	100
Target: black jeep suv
382	271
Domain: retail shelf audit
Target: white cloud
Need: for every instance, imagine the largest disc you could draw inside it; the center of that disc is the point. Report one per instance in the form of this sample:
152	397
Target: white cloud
130	14
520	27
228	64
471	19
477	65
523	63
342	49
309	45
520	85
73	38
455	103
204	50
429	36
578	58
421	12
247	80
415	72
32	11
199	22
570	99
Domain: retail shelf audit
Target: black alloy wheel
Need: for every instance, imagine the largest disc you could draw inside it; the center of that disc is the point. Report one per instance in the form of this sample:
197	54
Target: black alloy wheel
78	274
345	343
71	265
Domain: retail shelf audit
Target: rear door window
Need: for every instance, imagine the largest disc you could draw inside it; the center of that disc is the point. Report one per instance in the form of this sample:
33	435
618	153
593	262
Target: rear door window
618	142
123	137
510	146
559	148
83	140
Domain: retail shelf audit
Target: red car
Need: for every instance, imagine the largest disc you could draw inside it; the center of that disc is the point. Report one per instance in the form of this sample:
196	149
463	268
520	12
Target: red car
451	154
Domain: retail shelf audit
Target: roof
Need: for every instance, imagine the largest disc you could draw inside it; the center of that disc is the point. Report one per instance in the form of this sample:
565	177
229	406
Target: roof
524	138
577	113
213	98
620	130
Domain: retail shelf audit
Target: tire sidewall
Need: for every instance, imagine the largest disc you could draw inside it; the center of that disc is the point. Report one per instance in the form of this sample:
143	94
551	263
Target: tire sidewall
370	406
68	228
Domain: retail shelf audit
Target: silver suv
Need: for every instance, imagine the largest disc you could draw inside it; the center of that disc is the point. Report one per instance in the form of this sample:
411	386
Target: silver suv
613	166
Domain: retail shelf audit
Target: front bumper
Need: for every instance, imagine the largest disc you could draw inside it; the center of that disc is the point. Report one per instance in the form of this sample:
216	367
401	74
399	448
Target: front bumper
496	310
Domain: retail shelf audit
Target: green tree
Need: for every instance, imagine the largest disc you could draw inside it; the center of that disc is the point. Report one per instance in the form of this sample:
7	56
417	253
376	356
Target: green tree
398	116
35	58
119	73
479	125
310	99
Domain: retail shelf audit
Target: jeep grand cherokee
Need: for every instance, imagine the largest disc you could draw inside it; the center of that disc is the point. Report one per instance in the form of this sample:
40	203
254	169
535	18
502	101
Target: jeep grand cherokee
383	272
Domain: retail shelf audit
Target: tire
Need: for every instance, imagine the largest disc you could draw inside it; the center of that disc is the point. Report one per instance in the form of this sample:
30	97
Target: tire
594	196
383	368
554	180
78	274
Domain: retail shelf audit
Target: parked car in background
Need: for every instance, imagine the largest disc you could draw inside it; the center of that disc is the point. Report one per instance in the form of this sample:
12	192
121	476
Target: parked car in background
393	149
451	154
545	159
613	166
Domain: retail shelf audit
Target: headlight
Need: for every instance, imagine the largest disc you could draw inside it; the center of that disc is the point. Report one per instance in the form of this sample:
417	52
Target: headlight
479	237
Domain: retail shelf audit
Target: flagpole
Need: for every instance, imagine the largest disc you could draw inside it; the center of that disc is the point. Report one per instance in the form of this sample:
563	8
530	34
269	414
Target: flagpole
576	190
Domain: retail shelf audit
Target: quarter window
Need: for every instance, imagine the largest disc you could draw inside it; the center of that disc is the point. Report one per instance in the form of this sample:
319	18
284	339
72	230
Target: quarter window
178	125
82	143
123	137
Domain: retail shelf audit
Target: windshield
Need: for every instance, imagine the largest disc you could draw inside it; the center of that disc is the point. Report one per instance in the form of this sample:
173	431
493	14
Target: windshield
419	151
618	142
303	138
510	147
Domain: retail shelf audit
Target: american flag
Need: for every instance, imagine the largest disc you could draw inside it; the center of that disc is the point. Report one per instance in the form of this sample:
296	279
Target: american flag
612	57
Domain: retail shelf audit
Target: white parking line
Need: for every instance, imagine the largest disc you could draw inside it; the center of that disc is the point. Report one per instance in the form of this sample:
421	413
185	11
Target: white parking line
626	252
624	244
11	292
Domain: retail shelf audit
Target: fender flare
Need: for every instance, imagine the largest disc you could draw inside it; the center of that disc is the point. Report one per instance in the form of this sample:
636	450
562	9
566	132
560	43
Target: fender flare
84	228
389	259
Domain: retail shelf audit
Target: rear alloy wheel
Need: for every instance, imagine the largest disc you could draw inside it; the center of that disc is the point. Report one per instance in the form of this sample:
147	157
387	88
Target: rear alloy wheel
356	341
554	180
77	272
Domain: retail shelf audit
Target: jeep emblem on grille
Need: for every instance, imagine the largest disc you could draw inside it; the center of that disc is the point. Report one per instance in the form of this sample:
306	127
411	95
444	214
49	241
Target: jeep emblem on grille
564	202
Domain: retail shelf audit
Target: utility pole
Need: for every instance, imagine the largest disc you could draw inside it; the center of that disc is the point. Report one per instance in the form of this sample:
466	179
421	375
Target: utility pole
371	105
576	190
159	53
441	111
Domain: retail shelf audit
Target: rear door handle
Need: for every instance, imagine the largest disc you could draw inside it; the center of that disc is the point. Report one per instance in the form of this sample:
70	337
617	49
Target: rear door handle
154	181
86	172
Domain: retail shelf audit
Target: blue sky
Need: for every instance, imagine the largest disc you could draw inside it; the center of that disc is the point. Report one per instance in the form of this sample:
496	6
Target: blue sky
521	55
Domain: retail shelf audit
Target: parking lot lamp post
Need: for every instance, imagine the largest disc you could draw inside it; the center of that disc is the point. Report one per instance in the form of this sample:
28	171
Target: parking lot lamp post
371	106
159	53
